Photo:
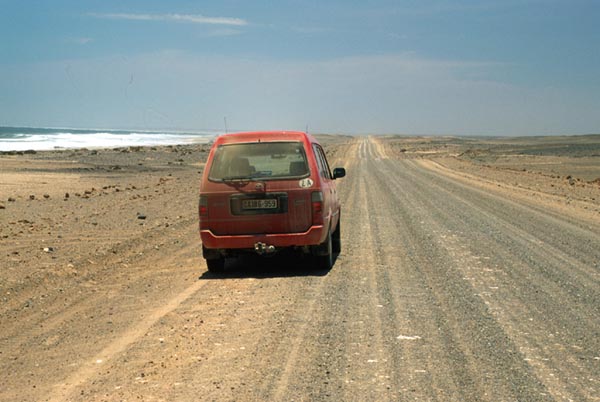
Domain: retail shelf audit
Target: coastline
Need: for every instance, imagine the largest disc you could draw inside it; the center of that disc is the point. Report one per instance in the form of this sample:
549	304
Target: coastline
30	139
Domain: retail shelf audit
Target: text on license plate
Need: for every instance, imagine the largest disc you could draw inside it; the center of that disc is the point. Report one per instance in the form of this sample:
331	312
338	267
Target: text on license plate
259	204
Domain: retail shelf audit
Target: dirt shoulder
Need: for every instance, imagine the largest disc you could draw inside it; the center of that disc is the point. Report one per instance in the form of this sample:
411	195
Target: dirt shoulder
61	210
564	171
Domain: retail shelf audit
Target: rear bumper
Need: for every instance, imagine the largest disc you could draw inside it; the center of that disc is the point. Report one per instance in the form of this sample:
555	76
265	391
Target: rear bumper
313	236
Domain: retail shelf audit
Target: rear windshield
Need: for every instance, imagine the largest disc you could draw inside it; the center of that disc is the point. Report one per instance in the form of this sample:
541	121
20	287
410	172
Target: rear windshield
264	160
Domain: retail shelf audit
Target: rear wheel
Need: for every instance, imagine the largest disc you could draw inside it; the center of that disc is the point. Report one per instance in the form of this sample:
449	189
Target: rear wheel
216	265
325	257
337	238
215	262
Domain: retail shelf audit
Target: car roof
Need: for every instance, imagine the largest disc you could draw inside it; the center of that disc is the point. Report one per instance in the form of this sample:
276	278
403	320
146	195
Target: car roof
266	136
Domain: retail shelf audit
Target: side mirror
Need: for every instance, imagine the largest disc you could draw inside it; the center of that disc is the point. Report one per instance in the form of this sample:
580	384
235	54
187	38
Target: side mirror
338	173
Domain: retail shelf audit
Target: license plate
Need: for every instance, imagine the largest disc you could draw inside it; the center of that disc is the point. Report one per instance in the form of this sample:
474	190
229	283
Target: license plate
259	204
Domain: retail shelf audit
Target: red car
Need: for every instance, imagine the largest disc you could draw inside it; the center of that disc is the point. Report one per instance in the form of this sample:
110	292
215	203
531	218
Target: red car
266	191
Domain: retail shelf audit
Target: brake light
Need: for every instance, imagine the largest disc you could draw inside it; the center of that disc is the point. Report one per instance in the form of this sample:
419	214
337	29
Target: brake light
317	207
203	206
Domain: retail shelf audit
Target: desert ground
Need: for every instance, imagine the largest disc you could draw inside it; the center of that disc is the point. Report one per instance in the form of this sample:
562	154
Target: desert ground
469	271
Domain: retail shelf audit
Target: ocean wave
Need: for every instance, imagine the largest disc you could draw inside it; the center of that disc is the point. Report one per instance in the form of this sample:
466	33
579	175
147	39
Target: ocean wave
49	139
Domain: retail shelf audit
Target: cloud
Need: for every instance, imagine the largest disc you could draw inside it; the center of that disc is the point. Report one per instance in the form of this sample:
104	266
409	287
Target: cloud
191	18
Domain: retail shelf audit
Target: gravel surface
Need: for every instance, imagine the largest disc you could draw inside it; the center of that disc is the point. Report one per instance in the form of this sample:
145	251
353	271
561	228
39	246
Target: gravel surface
452	285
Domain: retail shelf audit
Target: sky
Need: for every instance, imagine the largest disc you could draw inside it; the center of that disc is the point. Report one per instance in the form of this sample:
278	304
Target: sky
422	67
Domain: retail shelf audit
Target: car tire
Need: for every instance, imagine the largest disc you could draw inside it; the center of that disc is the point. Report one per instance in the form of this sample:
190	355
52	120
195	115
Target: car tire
325	261
337	238
216	265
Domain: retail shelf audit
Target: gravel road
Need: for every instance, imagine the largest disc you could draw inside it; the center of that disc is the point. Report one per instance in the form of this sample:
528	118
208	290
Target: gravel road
446	289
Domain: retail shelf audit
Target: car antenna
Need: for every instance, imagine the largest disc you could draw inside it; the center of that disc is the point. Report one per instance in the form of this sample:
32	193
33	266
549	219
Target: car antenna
225	120
307	128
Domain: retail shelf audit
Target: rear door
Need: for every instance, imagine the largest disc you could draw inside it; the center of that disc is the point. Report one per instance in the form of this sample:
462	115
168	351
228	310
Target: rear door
259	188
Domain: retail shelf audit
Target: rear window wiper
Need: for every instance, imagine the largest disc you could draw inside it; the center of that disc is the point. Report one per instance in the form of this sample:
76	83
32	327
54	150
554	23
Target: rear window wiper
236	178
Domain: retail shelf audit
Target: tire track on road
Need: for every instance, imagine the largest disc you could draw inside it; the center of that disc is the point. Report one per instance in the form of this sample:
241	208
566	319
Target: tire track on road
93	365
344	354
458	324
522	295
540	289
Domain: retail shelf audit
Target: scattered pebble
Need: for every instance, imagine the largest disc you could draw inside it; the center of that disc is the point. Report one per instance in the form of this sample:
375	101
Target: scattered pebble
141	216
49	249
408	338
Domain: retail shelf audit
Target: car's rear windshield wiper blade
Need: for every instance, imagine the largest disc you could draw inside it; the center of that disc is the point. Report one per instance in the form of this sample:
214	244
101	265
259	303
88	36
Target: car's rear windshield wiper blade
236	178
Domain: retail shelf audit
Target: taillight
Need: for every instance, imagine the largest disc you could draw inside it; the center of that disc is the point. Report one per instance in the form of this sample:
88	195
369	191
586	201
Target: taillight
317	207
203	206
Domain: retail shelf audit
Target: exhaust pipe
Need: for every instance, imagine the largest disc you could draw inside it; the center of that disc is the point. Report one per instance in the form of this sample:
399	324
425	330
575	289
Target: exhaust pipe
262	248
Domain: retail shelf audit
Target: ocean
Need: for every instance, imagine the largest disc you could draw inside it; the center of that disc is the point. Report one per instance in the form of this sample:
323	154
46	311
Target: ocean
41	139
